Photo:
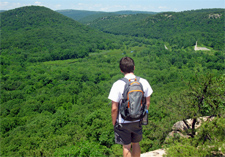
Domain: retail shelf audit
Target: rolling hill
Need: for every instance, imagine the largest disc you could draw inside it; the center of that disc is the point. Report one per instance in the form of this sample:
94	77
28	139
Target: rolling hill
89	16
79	14
177	28
28	30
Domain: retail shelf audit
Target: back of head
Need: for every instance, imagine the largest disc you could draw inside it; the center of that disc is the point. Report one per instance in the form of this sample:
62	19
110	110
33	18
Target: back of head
127	65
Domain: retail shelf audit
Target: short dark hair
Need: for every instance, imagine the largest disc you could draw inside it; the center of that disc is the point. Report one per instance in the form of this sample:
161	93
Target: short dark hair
127	65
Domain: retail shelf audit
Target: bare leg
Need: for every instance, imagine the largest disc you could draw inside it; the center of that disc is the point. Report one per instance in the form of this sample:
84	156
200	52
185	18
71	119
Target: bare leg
136	150
127	150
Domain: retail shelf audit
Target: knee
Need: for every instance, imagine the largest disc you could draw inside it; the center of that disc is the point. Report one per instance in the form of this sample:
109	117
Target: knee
128	147
135	144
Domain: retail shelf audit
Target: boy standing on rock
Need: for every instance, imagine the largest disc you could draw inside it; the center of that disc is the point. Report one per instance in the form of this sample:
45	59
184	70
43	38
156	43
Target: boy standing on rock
127	133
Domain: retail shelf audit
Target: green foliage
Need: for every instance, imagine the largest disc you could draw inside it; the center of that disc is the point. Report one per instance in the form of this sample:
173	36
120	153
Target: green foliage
52	105
38	34
206	97
180	29
208	142
85	148
86	17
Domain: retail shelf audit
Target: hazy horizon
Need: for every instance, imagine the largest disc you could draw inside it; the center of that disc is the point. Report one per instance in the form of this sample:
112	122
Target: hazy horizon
118	5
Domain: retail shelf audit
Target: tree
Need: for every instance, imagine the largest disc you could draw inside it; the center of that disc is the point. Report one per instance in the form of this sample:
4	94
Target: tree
208	142
205	97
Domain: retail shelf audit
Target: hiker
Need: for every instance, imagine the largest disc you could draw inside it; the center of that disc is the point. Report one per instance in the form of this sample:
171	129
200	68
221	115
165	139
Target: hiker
128	133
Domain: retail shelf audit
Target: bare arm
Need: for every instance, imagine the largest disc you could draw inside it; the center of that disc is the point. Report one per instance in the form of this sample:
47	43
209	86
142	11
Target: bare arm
114	112
148	102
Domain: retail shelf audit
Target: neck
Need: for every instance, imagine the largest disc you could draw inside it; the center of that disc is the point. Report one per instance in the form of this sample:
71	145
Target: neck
129	74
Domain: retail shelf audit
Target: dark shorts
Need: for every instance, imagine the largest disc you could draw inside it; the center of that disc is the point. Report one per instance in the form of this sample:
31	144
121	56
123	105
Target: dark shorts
127	133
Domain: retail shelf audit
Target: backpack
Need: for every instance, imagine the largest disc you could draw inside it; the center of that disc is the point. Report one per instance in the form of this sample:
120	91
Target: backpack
133	104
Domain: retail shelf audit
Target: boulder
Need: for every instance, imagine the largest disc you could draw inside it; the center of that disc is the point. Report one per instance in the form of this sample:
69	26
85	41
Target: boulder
180	125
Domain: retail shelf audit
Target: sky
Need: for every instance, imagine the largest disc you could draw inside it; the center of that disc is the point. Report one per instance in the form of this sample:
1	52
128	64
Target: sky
116	5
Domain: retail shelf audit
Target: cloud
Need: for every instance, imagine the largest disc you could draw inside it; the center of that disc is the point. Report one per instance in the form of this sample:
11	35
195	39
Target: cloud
113	7
52	6
92	7
3	4
7	5
107	7
38	3
57	6
163	7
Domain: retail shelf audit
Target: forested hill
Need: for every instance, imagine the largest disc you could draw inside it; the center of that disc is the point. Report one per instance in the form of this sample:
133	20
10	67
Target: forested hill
177	28
89	16
40	34
79	14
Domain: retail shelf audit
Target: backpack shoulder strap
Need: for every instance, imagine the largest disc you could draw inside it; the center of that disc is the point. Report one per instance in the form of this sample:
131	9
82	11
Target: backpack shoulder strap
125	80
138	78
124	96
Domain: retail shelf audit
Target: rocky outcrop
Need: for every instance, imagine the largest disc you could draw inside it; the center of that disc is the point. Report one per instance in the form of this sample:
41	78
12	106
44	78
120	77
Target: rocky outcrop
178	128
214	16
181	126
155	153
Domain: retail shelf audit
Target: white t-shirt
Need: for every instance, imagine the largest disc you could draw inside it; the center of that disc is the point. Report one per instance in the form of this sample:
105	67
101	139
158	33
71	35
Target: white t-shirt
118	88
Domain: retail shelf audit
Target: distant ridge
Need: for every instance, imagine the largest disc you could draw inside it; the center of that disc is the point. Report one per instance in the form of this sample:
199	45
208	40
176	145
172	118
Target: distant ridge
205	25
129	12
89	16
77	14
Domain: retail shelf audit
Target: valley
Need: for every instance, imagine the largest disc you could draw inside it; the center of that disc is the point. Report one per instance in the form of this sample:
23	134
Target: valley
56	74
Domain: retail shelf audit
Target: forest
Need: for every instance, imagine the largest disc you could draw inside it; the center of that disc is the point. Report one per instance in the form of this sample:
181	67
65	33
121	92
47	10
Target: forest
56	74
86	17
178	29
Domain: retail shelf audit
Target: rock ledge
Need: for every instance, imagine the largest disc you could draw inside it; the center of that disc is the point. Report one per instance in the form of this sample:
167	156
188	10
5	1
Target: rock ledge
155	153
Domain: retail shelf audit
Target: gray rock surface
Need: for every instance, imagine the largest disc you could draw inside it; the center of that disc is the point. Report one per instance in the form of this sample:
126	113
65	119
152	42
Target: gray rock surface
155	153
